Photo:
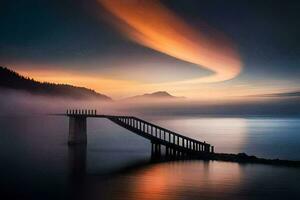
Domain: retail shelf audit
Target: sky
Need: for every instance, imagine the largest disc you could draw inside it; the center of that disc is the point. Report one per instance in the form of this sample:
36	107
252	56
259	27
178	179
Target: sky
208	49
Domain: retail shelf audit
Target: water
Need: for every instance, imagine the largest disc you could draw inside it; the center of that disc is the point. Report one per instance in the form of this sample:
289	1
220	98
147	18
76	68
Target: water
36	162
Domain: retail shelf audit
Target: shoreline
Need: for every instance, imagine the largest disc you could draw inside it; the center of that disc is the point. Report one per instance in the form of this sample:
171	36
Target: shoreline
244	158
241	158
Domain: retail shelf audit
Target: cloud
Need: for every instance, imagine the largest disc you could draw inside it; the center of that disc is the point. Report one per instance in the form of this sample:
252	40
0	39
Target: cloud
152	25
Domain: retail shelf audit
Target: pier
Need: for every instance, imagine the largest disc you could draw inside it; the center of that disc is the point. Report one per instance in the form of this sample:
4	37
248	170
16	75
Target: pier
163	141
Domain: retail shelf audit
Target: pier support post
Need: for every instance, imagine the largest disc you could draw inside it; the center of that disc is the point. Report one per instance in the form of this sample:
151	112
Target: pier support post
77	130
167	151
77	161
156	149
207	148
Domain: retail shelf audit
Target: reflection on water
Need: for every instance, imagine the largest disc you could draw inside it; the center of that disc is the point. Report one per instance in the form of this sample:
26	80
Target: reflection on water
182	179
201	180
227	134
36	162
264	137
77	161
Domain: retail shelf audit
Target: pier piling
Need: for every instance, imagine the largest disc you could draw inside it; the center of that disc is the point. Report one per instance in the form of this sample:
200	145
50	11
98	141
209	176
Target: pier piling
77	129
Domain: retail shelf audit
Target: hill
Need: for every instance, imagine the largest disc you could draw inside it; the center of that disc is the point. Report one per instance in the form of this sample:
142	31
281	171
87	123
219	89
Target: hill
160	95
11	80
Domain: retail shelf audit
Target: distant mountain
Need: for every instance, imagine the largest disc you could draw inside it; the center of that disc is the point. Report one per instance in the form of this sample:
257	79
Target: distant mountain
12	80
160	95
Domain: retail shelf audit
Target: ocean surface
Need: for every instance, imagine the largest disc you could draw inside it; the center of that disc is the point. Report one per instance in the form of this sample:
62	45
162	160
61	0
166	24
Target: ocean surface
36	162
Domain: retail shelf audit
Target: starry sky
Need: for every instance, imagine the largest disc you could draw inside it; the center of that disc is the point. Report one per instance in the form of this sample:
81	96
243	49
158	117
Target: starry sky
251	46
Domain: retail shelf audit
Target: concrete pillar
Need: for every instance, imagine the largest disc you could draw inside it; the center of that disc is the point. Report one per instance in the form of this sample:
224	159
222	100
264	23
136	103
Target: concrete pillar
77	161
77	130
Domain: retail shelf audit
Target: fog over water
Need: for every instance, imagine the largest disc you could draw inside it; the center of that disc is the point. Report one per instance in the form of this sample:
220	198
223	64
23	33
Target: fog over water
37	163
19	102
221	72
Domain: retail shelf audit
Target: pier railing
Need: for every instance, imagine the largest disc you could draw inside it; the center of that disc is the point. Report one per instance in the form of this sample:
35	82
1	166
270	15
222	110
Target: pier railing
81	112
158	135
161	135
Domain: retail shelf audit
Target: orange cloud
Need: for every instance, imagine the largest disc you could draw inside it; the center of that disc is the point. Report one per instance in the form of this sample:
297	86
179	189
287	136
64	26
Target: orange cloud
151	24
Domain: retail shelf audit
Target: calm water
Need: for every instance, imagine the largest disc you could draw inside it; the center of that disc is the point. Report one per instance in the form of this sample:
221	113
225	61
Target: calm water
36	162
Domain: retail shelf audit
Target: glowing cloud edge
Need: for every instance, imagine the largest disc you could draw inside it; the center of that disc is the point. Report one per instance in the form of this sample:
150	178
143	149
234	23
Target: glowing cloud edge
152	25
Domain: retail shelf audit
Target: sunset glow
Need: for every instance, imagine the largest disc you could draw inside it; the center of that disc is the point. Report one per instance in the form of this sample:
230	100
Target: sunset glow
151	24
128	48
150	99
122	88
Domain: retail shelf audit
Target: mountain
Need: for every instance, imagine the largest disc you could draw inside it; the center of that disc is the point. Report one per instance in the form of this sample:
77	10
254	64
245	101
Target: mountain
11	80
160	95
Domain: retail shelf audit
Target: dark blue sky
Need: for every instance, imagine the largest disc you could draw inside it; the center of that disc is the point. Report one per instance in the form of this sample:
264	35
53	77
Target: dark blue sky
72	33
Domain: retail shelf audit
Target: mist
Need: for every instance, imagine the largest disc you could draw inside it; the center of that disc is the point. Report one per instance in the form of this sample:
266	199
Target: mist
14	102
